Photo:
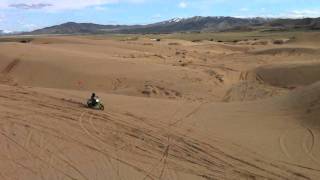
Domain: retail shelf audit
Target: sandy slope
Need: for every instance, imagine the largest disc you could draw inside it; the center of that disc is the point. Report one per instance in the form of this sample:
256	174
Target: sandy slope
174	110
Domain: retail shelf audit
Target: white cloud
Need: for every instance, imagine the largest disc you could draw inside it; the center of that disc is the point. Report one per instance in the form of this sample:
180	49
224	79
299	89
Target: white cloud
100	8
244	9
26	26
29	6
304	13
157	16
59	4
30	27
183	4
7	31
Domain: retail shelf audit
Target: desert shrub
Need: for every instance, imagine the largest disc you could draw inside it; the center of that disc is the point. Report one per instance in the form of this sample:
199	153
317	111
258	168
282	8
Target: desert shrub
25	41
147	44
278	41
173	44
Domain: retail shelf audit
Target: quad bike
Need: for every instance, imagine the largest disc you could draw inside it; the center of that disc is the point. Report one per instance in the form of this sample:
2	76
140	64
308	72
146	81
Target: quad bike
97	106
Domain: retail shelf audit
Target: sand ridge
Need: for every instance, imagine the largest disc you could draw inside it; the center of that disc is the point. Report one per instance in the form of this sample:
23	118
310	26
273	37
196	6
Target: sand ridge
175	109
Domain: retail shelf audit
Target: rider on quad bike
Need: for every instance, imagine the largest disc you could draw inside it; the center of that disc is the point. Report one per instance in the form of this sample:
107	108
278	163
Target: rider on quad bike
95	103
94	99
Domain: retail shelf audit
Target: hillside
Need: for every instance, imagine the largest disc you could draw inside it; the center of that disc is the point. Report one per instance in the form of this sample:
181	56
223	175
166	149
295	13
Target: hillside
79	28
204	24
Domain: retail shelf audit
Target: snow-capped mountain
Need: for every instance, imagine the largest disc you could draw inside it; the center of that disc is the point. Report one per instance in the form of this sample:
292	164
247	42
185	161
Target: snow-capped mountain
197	23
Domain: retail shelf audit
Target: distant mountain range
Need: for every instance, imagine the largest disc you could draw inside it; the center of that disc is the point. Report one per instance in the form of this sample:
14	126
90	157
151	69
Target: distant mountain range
194	24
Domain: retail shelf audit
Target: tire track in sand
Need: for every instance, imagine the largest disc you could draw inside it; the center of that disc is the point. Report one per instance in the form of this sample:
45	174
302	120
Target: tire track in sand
96	137
309	150
282	143
166	151
10	66
194	156
36	156
307	143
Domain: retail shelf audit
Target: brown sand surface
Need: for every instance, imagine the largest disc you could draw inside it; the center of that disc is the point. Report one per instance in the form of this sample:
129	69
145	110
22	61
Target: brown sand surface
175	109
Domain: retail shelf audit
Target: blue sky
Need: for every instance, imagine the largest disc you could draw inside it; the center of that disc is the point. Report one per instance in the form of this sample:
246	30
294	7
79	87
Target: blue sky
26	15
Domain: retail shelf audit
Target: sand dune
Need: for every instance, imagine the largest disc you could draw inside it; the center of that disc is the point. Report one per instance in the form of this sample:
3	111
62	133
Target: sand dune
290	75
174	110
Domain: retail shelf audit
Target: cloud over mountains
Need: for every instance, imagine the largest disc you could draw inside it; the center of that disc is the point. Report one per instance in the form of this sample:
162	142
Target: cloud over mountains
59	4
30	6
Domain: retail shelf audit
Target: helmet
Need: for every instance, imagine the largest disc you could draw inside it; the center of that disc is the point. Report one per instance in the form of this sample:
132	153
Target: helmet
93	94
